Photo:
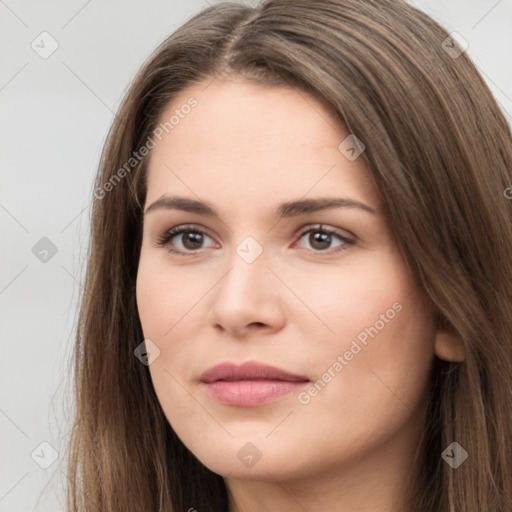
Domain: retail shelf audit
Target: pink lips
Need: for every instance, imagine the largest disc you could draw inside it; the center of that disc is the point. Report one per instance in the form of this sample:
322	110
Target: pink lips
250	384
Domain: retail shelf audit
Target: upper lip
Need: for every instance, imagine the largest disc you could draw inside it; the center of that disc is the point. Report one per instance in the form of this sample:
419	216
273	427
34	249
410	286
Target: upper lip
250	370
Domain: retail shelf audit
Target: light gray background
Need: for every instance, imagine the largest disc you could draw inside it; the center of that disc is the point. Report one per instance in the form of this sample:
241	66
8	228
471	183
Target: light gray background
55	113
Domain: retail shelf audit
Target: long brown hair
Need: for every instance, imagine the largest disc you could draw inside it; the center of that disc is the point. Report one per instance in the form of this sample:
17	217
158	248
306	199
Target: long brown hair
440	153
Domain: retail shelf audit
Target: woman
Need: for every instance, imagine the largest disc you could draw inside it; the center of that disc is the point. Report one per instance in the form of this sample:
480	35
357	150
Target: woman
298	294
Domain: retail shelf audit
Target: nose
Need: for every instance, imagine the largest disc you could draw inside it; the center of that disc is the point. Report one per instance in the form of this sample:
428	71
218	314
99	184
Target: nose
247	299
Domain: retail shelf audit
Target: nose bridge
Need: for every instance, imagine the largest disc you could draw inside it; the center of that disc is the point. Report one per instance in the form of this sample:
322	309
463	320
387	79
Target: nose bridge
247	276
244	295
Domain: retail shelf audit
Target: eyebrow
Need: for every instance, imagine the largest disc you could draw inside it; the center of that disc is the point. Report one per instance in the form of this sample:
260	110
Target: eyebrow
285	210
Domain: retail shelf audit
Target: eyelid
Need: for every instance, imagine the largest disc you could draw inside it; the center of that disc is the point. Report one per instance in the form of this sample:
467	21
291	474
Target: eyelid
343	233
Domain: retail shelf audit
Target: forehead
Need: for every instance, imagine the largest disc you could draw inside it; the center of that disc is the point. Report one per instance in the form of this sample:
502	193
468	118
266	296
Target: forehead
248	117
245	140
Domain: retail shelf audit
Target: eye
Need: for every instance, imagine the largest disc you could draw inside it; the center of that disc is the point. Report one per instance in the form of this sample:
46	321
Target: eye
321	239
190	237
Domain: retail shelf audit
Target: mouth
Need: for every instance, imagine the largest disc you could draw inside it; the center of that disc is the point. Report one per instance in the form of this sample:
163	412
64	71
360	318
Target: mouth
250	384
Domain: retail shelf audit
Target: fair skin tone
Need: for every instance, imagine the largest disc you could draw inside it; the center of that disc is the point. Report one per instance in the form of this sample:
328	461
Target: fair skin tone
245	149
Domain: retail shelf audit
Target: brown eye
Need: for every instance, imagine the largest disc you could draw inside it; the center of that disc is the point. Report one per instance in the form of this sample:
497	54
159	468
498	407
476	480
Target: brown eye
191	240
187	239
321	239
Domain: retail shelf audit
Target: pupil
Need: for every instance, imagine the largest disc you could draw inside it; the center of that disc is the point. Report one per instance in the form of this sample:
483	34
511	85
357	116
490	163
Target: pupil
193	238
323	239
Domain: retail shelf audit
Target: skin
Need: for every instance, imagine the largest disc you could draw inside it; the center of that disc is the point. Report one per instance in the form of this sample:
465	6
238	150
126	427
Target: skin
245	149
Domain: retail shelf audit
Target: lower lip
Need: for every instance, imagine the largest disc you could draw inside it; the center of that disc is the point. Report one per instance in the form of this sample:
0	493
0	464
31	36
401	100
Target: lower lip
250	393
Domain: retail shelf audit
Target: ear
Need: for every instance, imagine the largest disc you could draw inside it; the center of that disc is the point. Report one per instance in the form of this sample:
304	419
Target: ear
448	344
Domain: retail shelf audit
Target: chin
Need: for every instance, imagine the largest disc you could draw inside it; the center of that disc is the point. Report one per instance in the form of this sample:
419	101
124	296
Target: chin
247	457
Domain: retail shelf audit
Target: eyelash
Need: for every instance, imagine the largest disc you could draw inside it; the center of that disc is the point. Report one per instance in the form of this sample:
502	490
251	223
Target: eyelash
163	240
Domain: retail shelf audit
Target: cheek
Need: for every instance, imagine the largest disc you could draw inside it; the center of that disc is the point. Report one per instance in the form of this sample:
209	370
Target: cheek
162	297
378	355
380	391
358	300
163	314
165	302
380	367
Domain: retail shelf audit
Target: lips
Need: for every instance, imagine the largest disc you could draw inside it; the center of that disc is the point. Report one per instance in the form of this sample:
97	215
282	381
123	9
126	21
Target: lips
250	384
248	371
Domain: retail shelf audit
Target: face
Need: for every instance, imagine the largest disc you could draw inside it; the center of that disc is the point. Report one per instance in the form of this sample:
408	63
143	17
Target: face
320	292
